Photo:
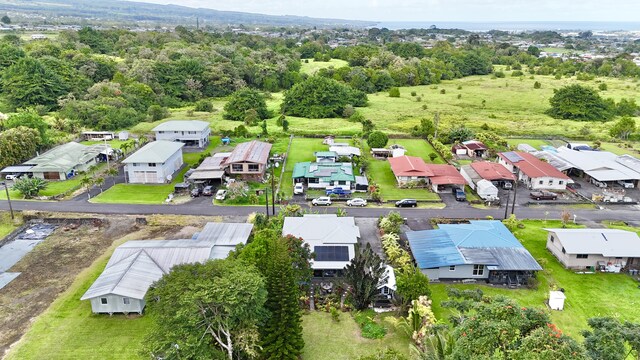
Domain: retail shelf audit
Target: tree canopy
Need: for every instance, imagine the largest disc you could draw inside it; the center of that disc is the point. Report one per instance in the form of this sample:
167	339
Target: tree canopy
319	97
31	120
377	139
577	102
29	82
243	101
18	145
362	275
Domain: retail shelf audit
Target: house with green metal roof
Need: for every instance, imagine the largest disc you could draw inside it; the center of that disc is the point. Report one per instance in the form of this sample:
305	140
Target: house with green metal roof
321	175
154	163
65	161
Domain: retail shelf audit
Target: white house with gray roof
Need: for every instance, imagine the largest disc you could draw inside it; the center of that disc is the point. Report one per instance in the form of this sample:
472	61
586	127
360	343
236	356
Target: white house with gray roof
136	265
331	238
154	163
190	132
597	248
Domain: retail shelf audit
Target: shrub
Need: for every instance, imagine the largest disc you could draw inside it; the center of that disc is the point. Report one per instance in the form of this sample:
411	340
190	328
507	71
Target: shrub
157	112
244	100
517	73
377	139
433	156
602	87
369	328
459	96
335	314
204	105
394	92
499	74
413	93
348	111
30	187
537	85
443	91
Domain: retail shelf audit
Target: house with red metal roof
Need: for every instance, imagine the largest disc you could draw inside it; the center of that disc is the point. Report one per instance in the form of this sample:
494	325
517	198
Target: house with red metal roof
412	168
496	173
249	159
471	148
533	172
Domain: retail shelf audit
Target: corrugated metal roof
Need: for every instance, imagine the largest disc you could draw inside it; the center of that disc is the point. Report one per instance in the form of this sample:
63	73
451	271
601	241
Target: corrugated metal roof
606	242
16	169
325	154
409	166
253	151
206	175
531	165
553	159
182	125
433	248
155	152
474	145
600	165
345	150
482	242
327	171
492	171
445	174
322	228
65	157
225	233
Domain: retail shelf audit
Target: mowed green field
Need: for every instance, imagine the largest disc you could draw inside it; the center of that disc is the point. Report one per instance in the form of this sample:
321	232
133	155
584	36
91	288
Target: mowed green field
588	295
310	66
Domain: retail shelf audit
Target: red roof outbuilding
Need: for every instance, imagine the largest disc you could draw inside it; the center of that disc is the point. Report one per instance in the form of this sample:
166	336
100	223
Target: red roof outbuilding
445	175
492	171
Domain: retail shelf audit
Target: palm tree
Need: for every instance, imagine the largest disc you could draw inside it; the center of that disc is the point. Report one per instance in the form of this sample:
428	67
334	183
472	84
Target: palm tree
100	181
87	182
113	172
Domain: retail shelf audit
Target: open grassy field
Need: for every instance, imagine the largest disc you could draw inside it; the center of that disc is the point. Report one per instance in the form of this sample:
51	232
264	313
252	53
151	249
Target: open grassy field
588	295
536	143
310	66
327	339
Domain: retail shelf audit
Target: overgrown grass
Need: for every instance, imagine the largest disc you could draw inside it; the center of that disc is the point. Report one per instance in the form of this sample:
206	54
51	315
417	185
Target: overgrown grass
69	330
588	295
328	339
536	143
7	225
312	66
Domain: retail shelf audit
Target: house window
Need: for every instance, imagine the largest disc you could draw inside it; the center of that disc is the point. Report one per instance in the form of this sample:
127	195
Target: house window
237	167
478	270
314	181
550	182
452	268
560	182
126	301
540	182
551	238
331	253
563	250
385	290
152	164
103	301
254	167
342	183
582	256
618	258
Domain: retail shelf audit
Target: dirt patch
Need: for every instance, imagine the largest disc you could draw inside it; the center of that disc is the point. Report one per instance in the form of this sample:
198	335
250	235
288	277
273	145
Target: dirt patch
49	269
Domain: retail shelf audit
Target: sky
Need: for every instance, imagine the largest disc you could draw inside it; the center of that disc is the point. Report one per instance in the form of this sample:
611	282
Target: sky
432	10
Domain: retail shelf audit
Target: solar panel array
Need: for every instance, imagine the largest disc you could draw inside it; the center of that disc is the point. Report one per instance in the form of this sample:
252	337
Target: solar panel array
513	157
331	253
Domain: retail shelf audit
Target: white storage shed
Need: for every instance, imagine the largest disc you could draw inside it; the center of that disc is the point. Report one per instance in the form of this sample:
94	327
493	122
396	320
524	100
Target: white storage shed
556	300
486	190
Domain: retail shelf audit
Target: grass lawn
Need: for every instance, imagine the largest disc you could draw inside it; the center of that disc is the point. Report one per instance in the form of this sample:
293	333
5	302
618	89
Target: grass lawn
69	330
588	295
618	149
313	66
7	225
327	339
536	143
53	188
418	147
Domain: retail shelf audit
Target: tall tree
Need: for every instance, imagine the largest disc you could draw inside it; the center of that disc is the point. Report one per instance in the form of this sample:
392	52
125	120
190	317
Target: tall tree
31	120
363	275
244	100
205	310
623	128
576	102
28	82
17	145
282	333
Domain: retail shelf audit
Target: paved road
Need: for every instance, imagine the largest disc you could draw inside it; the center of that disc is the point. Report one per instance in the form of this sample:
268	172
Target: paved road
205	208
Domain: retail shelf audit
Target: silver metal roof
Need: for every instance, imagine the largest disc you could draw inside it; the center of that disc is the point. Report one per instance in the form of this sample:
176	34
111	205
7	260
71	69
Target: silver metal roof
225	233
253	151
606	242
182	125
322	229
155	152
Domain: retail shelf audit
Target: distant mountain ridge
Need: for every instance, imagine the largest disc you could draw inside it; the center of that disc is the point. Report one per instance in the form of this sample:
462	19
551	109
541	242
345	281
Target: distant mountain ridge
130	11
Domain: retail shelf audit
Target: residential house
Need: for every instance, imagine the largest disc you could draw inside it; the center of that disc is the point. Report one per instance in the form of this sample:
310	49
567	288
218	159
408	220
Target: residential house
211	169
193	133
331	238
606	249
533	172
387	285
410	168
324	175
344	149
496	173
136	265
97	135
602	167
65	161
325	156
471	148
249	159
154	163
483	250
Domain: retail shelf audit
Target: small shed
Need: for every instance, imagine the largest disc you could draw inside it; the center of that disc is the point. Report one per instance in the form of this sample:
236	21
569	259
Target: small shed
123	135
486	190
556	300
526	148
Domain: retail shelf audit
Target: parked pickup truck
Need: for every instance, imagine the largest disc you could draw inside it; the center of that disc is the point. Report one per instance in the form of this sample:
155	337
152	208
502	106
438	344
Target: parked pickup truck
543	195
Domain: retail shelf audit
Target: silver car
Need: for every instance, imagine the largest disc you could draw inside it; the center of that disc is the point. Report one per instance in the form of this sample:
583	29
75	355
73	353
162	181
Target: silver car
323	200
357	202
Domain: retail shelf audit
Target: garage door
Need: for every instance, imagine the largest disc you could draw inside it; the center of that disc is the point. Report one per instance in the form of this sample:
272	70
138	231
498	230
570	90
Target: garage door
144	177
51	175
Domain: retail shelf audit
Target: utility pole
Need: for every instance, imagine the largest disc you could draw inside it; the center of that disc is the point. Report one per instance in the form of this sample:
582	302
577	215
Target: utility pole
266	194
436	121
106	151
515	191
273	190
506	206
9	200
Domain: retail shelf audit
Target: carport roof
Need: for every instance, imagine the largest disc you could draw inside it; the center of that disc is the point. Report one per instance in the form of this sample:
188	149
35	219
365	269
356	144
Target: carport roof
492	171
606	242
16	169
601	165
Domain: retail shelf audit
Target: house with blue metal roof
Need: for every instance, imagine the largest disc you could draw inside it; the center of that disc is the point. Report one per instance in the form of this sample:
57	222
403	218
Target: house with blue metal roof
481	250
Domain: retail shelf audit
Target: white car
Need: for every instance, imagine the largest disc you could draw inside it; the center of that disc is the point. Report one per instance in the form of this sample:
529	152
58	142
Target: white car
11	177
627	184
323	200
298	189
357	202
221	194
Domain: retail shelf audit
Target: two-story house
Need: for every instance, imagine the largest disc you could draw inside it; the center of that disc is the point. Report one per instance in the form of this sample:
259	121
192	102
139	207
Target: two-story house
193	133
249	159
154	163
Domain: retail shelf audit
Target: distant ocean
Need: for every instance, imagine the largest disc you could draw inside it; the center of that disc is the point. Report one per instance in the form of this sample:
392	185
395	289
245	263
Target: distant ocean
513	26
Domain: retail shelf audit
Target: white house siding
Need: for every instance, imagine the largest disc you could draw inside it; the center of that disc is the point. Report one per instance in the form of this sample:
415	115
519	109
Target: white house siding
405	179
571	261
544	183
506	164
202	137
460	272
142	173
115	304
467	177
323	185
